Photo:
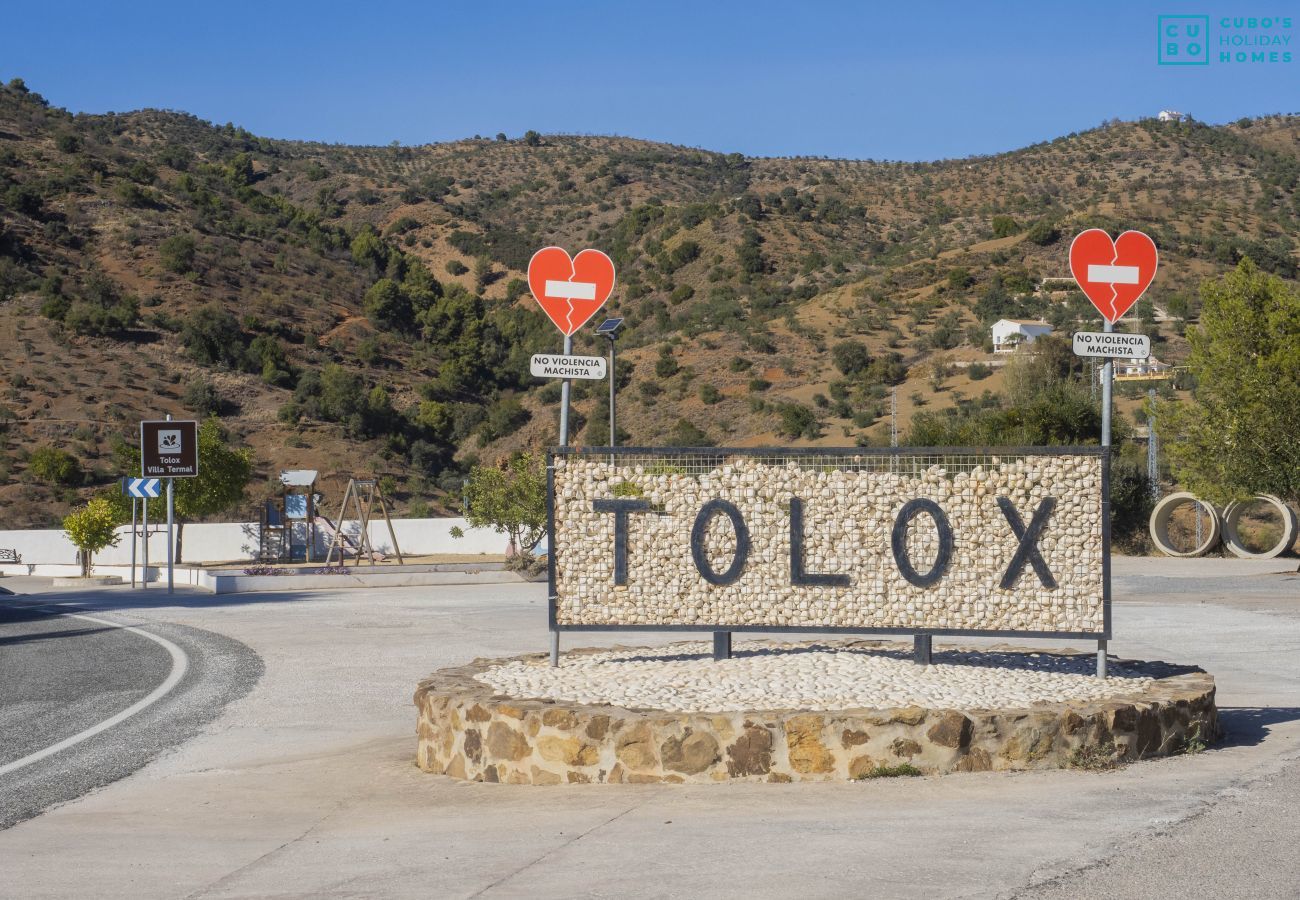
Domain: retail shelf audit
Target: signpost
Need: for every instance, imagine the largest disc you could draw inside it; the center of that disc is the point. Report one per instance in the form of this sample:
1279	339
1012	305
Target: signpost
1111	344
1113	274
140	489
168	449
591	368
570	289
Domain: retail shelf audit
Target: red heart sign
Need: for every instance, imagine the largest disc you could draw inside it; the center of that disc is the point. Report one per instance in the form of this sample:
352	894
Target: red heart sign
1113	274
570	290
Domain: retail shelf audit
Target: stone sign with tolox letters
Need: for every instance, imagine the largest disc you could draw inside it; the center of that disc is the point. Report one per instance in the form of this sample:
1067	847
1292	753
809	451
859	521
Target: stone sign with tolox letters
944	541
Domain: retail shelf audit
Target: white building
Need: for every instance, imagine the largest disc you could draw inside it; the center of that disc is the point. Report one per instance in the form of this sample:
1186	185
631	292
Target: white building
1008	334
1171	115
1149	369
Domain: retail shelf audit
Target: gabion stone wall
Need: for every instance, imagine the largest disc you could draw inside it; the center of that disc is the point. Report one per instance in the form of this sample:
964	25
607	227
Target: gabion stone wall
937	540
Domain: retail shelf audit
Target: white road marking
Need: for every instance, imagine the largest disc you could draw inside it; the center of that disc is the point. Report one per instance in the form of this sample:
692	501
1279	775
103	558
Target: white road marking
180	665
1113	274
571	290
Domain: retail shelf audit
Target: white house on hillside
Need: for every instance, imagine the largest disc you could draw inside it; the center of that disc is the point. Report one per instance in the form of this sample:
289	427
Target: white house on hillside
1008	334
1171	115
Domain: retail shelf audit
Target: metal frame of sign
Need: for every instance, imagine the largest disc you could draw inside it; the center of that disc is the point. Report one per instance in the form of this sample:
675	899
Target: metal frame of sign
723	452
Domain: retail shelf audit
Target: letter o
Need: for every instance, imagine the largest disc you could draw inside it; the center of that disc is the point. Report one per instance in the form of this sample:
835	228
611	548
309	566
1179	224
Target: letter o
702	564
898	541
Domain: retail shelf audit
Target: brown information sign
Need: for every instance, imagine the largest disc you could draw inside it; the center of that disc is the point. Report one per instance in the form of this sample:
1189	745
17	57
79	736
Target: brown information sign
169	449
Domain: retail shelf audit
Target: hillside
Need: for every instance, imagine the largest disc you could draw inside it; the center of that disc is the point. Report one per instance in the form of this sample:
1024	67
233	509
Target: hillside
361	310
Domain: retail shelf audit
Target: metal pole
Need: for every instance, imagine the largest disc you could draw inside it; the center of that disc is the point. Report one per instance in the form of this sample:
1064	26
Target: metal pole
564	442
133	526
922	649
564	397
144	572
722	645
171	586
613	435
1107	378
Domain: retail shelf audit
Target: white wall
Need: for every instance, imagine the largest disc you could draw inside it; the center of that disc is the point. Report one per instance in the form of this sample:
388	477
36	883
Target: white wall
237	542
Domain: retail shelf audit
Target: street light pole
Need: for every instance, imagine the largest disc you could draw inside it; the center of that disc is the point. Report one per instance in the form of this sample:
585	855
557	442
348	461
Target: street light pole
613	435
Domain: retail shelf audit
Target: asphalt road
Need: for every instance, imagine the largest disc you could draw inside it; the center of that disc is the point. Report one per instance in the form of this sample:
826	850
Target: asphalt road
306	786
86	700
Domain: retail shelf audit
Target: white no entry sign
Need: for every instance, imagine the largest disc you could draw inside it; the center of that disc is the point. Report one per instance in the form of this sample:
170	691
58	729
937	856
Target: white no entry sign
590	367
1113	344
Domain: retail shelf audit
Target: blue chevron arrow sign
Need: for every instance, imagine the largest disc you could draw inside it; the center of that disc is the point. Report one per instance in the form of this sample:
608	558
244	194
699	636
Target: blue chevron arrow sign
145	488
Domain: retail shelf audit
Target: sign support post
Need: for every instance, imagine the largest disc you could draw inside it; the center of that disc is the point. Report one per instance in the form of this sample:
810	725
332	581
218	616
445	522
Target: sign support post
171	587
144	528
1107	380
133	525
564	442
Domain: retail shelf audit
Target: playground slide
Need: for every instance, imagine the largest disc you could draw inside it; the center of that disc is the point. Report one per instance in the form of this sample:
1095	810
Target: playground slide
349	546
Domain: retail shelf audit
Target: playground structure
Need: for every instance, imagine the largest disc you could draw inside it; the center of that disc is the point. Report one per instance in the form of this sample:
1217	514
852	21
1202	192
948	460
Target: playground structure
1220	525
296	503
292	522
364	495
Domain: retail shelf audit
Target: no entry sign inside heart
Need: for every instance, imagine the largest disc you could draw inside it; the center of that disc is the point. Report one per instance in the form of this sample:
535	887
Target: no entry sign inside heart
1113	274
570	290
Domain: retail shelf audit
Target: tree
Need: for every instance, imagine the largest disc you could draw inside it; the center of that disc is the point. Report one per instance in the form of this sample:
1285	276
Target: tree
92	528
850	357
510	499
1242	436
1005	226
212	335
177	253
532	138
55	466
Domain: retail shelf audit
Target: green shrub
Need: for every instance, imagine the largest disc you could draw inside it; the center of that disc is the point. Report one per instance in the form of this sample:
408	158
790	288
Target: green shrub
55	466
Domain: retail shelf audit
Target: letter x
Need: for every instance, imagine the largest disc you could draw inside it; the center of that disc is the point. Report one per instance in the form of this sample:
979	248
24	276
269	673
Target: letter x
1028	537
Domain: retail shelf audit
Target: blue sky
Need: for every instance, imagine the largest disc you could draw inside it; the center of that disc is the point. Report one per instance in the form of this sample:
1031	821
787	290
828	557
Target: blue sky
913	80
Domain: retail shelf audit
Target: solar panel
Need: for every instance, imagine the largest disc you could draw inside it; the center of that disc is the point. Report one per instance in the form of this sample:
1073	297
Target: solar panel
609	326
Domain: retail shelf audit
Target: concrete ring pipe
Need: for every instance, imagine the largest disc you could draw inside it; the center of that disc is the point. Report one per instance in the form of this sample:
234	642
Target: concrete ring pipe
1164	511
1232	537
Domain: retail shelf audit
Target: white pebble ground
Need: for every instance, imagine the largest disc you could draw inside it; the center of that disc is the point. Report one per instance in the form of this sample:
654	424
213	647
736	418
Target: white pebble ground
815	676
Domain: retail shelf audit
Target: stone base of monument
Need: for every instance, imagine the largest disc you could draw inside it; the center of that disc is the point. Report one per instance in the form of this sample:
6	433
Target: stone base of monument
814	711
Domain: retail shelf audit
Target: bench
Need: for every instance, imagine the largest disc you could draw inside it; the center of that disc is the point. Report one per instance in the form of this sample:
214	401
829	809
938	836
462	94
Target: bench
9	556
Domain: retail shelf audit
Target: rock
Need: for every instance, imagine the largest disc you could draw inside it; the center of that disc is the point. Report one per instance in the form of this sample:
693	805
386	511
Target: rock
473	744
975	760
563	719
690	754
952	730
569	750
635	748
861	765
851	738
506	743
904	747
751	754
477	713
803	739
541	776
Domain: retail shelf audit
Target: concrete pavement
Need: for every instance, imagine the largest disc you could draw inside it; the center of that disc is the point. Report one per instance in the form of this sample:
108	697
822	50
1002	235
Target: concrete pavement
306	786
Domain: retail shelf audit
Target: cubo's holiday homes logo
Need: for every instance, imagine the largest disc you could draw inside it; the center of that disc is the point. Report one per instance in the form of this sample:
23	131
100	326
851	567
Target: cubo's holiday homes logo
1228	40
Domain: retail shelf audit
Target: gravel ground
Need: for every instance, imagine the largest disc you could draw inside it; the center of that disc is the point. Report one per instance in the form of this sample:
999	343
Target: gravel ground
813	675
